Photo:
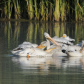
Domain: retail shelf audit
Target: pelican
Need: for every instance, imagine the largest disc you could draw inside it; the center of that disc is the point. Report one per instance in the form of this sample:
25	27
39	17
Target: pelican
23	46
68	38
74	50
62	40
49	41
32	51
58	50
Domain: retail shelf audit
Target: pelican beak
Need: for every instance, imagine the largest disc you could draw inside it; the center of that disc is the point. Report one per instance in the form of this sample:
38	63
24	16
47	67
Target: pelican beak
49	50
49	38
40	46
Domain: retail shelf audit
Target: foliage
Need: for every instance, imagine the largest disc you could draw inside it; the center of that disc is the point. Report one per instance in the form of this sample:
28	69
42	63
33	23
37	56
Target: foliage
43	10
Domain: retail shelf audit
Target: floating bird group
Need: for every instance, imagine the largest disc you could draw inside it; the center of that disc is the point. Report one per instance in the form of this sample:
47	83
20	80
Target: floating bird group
54	46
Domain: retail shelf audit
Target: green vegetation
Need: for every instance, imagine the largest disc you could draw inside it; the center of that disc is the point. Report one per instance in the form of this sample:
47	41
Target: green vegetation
43	10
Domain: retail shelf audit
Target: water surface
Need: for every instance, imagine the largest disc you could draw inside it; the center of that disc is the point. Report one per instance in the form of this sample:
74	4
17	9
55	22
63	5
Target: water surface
39	70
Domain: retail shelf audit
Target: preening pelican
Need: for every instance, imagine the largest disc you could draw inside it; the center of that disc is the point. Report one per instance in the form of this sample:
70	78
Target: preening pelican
47	43
62	40
32	51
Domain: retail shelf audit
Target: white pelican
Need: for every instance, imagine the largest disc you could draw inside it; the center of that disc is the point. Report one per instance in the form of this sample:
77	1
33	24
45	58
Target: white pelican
74	50
62	40
32	51
58	49
23	46
47	43
68	38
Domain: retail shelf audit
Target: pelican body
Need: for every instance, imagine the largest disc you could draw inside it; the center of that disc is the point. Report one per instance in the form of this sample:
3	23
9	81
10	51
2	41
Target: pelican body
33	51
22	46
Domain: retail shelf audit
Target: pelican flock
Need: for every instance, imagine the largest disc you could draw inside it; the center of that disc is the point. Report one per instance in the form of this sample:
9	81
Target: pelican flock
54	46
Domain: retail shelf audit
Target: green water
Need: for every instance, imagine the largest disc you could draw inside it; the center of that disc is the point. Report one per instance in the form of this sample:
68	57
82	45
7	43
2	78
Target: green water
39	70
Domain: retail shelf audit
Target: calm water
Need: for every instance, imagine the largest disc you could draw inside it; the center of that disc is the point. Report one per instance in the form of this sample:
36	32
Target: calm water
39	70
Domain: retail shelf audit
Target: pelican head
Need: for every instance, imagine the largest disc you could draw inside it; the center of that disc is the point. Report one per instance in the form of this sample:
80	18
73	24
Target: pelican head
47	36
64	35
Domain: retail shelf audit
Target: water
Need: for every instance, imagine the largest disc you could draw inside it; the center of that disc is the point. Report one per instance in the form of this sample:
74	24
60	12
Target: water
38	70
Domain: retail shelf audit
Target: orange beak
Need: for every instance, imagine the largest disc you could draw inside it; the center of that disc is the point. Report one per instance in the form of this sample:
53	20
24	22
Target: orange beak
28	56
40	46
49	50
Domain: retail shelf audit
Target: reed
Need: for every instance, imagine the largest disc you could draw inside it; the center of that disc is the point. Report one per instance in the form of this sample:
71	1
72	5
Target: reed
62	10
46	10
27	6
36	11
50	12
15	9
23	9
56	10
42	12
68	11
5	10
18	9
9	11
76	13
30	9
